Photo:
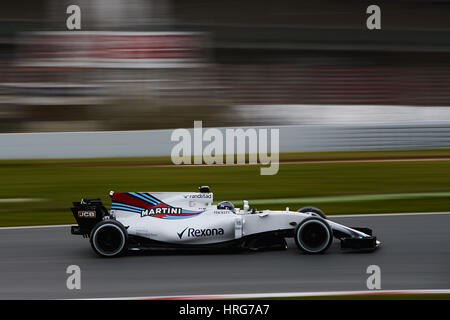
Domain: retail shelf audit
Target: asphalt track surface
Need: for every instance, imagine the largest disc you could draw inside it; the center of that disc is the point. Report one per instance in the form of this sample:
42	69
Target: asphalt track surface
415	254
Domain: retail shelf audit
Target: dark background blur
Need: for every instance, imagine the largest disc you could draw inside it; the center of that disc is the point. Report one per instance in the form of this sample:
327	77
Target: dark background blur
249	52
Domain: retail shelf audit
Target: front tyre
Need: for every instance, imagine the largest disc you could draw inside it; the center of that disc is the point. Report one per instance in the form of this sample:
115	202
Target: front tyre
314	210
313	235
109	238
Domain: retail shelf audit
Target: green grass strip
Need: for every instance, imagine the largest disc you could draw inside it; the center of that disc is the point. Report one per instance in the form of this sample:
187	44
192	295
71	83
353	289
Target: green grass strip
345	198
335	187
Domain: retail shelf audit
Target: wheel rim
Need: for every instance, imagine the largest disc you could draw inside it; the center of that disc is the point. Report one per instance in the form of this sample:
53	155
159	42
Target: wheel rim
313	236
108	239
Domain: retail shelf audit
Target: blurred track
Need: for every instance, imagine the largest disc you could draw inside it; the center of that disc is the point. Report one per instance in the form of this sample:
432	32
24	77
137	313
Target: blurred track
415	255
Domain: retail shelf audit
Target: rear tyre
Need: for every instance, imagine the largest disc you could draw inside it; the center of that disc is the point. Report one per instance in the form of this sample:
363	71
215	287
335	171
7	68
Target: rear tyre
313	235
109	238
314	210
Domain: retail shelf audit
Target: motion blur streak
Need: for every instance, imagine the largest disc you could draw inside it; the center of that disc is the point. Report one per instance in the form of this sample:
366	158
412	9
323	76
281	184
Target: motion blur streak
363	115
285	295
140	64
405	241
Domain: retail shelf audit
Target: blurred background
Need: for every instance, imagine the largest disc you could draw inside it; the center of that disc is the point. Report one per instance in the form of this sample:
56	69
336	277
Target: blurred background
363	114
145	64
363	117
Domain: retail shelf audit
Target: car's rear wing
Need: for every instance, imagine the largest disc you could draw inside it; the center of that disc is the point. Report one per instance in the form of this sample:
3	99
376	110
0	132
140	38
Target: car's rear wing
87	213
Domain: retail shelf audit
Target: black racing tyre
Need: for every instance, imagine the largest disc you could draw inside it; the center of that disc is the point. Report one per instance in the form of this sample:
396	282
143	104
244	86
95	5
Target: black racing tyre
315	210
109	238
313	235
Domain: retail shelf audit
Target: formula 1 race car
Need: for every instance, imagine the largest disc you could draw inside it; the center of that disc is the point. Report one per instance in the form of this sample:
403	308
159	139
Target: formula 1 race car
187	220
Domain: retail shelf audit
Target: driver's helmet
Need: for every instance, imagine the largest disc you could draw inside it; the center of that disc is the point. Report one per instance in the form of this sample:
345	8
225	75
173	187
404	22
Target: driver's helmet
226	205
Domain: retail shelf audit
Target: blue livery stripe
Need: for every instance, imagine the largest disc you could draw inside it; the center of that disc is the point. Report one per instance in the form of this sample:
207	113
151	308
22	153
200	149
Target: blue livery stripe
127	205
142	198
190	211
177	217
125	209
150	197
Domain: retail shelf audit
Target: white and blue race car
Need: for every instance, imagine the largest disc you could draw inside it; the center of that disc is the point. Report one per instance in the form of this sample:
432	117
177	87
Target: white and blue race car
189	220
